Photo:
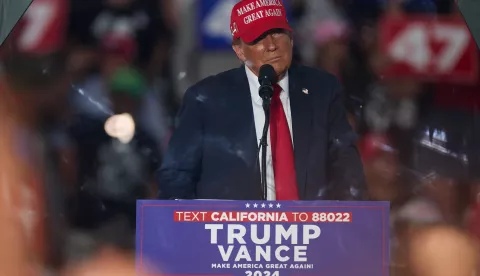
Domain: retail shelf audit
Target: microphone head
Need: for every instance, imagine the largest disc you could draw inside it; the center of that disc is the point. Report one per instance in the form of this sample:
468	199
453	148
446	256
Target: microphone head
267	73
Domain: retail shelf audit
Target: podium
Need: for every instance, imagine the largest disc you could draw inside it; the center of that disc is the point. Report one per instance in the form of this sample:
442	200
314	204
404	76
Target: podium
262	238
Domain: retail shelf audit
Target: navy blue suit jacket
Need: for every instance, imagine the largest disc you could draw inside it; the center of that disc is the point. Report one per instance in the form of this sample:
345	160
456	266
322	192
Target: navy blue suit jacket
213	151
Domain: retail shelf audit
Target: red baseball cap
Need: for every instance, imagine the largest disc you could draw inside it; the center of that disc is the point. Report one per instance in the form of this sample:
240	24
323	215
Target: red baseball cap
122	45
252	18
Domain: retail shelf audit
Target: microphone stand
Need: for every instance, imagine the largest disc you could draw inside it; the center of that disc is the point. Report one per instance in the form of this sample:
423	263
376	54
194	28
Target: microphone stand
266	93
263	145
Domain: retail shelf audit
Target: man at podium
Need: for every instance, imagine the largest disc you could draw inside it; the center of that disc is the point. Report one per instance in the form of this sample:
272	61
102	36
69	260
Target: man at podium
214	152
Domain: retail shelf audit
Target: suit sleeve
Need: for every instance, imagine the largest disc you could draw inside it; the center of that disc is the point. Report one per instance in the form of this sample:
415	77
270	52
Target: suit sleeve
345	166
181	168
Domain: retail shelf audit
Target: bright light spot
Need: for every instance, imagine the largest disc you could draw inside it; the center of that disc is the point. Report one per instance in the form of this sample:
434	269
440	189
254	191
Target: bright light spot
121	127
182	75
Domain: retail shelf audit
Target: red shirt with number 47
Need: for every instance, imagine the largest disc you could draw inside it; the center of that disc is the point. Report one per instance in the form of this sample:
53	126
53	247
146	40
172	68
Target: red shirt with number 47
42	28
425	48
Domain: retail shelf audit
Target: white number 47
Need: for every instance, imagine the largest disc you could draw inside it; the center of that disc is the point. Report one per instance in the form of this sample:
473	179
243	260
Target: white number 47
38	18
412	46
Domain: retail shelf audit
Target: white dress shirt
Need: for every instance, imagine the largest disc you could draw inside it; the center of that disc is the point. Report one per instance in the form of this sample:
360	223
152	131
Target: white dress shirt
259	117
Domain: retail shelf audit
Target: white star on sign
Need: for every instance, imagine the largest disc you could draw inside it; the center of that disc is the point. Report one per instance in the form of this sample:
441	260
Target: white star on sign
247	205
255	205
278	205
263	205
270	205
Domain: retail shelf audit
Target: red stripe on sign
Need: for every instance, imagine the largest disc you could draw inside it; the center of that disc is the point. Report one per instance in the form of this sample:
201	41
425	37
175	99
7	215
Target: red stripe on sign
261	216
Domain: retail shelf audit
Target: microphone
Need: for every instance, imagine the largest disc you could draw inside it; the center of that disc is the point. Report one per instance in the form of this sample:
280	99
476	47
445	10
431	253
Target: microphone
267	78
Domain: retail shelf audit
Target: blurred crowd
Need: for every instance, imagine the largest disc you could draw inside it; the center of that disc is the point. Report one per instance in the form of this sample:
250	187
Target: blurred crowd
68	116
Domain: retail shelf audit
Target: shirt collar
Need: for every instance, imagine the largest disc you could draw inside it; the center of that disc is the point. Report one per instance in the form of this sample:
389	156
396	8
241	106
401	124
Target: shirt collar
254	85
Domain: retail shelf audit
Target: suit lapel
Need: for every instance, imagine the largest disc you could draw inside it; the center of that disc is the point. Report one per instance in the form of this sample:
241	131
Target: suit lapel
245	122
301	108
302	119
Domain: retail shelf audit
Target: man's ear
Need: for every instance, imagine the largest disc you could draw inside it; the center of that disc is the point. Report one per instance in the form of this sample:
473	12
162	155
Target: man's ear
239	51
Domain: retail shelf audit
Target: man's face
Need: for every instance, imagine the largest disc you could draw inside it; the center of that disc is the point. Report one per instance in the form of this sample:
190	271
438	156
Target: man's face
274	47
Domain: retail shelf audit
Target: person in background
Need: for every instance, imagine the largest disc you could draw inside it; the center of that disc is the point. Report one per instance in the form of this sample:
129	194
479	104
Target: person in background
314	13
451	148
149	22
114	173
382	169
91	97
332	47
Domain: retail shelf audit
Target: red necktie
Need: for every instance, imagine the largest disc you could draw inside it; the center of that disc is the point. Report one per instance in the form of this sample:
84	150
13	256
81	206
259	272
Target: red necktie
282	150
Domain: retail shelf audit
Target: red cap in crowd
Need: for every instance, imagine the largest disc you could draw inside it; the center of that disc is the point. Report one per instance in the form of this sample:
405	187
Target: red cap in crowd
374	145
122	45
252	18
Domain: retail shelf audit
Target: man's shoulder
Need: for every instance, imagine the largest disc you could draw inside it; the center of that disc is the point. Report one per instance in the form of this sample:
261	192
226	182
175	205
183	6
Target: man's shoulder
220	79
316	74
323	84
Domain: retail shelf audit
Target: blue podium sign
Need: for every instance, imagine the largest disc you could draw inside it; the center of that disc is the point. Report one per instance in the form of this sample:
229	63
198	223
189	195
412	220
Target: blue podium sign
262	238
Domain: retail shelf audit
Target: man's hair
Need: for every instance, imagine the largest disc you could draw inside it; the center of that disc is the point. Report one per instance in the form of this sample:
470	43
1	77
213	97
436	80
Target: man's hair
238	41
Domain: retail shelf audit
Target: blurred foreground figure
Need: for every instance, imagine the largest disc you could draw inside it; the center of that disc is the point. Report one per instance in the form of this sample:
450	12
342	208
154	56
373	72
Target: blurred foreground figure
442	251
14	258
114	171
33	89
35	176
104	264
